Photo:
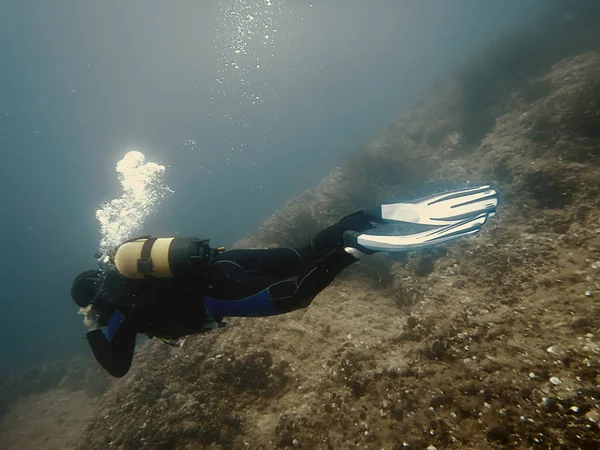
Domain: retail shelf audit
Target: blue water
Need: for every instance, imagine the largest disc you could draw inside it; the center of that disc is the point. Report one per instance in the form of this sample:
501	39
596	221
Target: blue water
83	82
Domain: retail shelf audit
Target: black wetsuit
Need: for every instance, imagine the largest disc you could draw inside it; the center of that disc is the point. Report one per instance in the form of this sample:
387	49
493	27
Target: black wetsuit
237	283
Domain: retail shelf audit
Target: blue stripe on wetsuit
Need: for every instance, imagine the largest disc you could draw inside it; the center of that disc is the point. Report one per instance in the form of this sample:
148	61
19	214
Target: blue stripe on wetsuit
113	325
258	305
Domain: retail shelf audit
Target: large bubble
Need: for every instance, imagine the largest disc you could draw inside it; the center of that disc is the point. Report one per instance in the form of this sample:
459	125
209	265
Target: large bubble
142	192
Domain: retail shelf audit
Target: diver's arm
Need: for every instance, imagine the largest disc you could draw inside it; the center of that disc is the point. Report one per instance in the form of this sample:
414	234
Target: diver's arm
114	354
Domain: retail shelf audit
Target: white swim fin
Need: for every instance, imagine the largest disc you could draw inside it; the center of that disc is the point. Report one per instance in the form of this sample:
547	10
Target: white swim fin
442	209
369	243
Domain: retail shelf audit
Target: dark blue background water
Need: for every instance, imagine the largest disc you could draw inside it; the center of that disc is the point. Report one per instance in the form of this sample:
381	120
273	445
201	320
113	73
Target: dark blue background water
81	83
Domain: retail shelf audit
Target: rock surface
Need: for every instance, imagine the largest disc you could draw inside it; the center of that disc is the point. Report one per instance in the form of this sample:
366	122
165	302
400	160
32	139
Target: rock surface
446	348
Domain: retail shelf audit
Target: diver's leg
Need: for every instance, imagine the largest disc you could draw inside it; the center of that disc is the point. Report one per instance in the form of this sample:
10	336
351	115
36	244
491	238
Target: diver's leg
243	295
300	291
285	262
270	262
226	280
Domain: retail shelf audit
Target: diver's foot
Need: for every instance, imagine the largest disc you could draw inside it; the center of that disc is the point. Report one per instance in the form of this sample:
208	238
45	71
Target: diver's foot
332	237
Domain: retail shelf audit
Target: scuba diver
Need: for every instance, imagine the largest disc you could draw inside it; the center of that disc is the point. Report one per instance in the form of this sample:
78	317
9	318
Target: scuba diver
173	287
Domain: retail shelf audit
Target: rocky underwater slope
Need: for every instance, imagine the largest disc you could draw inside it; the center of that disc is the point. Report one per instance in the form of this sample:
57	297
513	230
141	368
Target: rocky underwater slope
489	342
492	341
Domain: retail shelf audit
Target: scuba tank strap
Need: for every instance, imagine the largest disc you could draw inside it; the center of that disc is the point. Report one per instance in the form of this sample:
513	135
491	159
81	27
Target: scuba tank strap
144	263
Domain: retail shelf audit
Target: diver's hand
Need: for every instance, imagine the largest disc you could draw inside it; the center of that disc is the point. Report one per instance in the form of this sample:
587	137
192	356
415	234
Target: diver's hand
89	319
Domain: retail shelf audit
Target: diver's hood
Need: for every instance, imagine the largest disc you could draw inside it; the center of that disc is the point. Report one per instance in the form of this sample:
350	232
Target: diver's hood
85	287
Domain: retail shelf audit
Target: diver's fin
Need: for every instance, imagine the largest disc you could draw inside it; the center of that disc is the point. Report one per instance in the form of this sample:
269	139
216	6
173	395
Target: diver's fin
440	209
368	243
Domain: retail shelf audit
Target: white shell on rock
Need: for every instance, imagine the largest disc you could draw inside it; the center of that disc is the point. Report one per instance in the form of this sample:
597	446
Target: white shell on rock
556	381
552	350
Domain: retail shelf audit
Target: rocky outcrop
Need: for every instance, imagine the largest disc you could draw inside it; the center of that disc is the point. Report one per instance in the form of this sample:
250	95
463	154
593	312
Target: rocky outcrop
487	342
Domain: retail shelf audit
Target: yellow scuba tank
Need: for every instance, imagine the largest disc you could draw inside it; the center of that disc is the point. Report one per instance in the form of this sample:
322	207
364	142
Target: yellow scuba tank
171	257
